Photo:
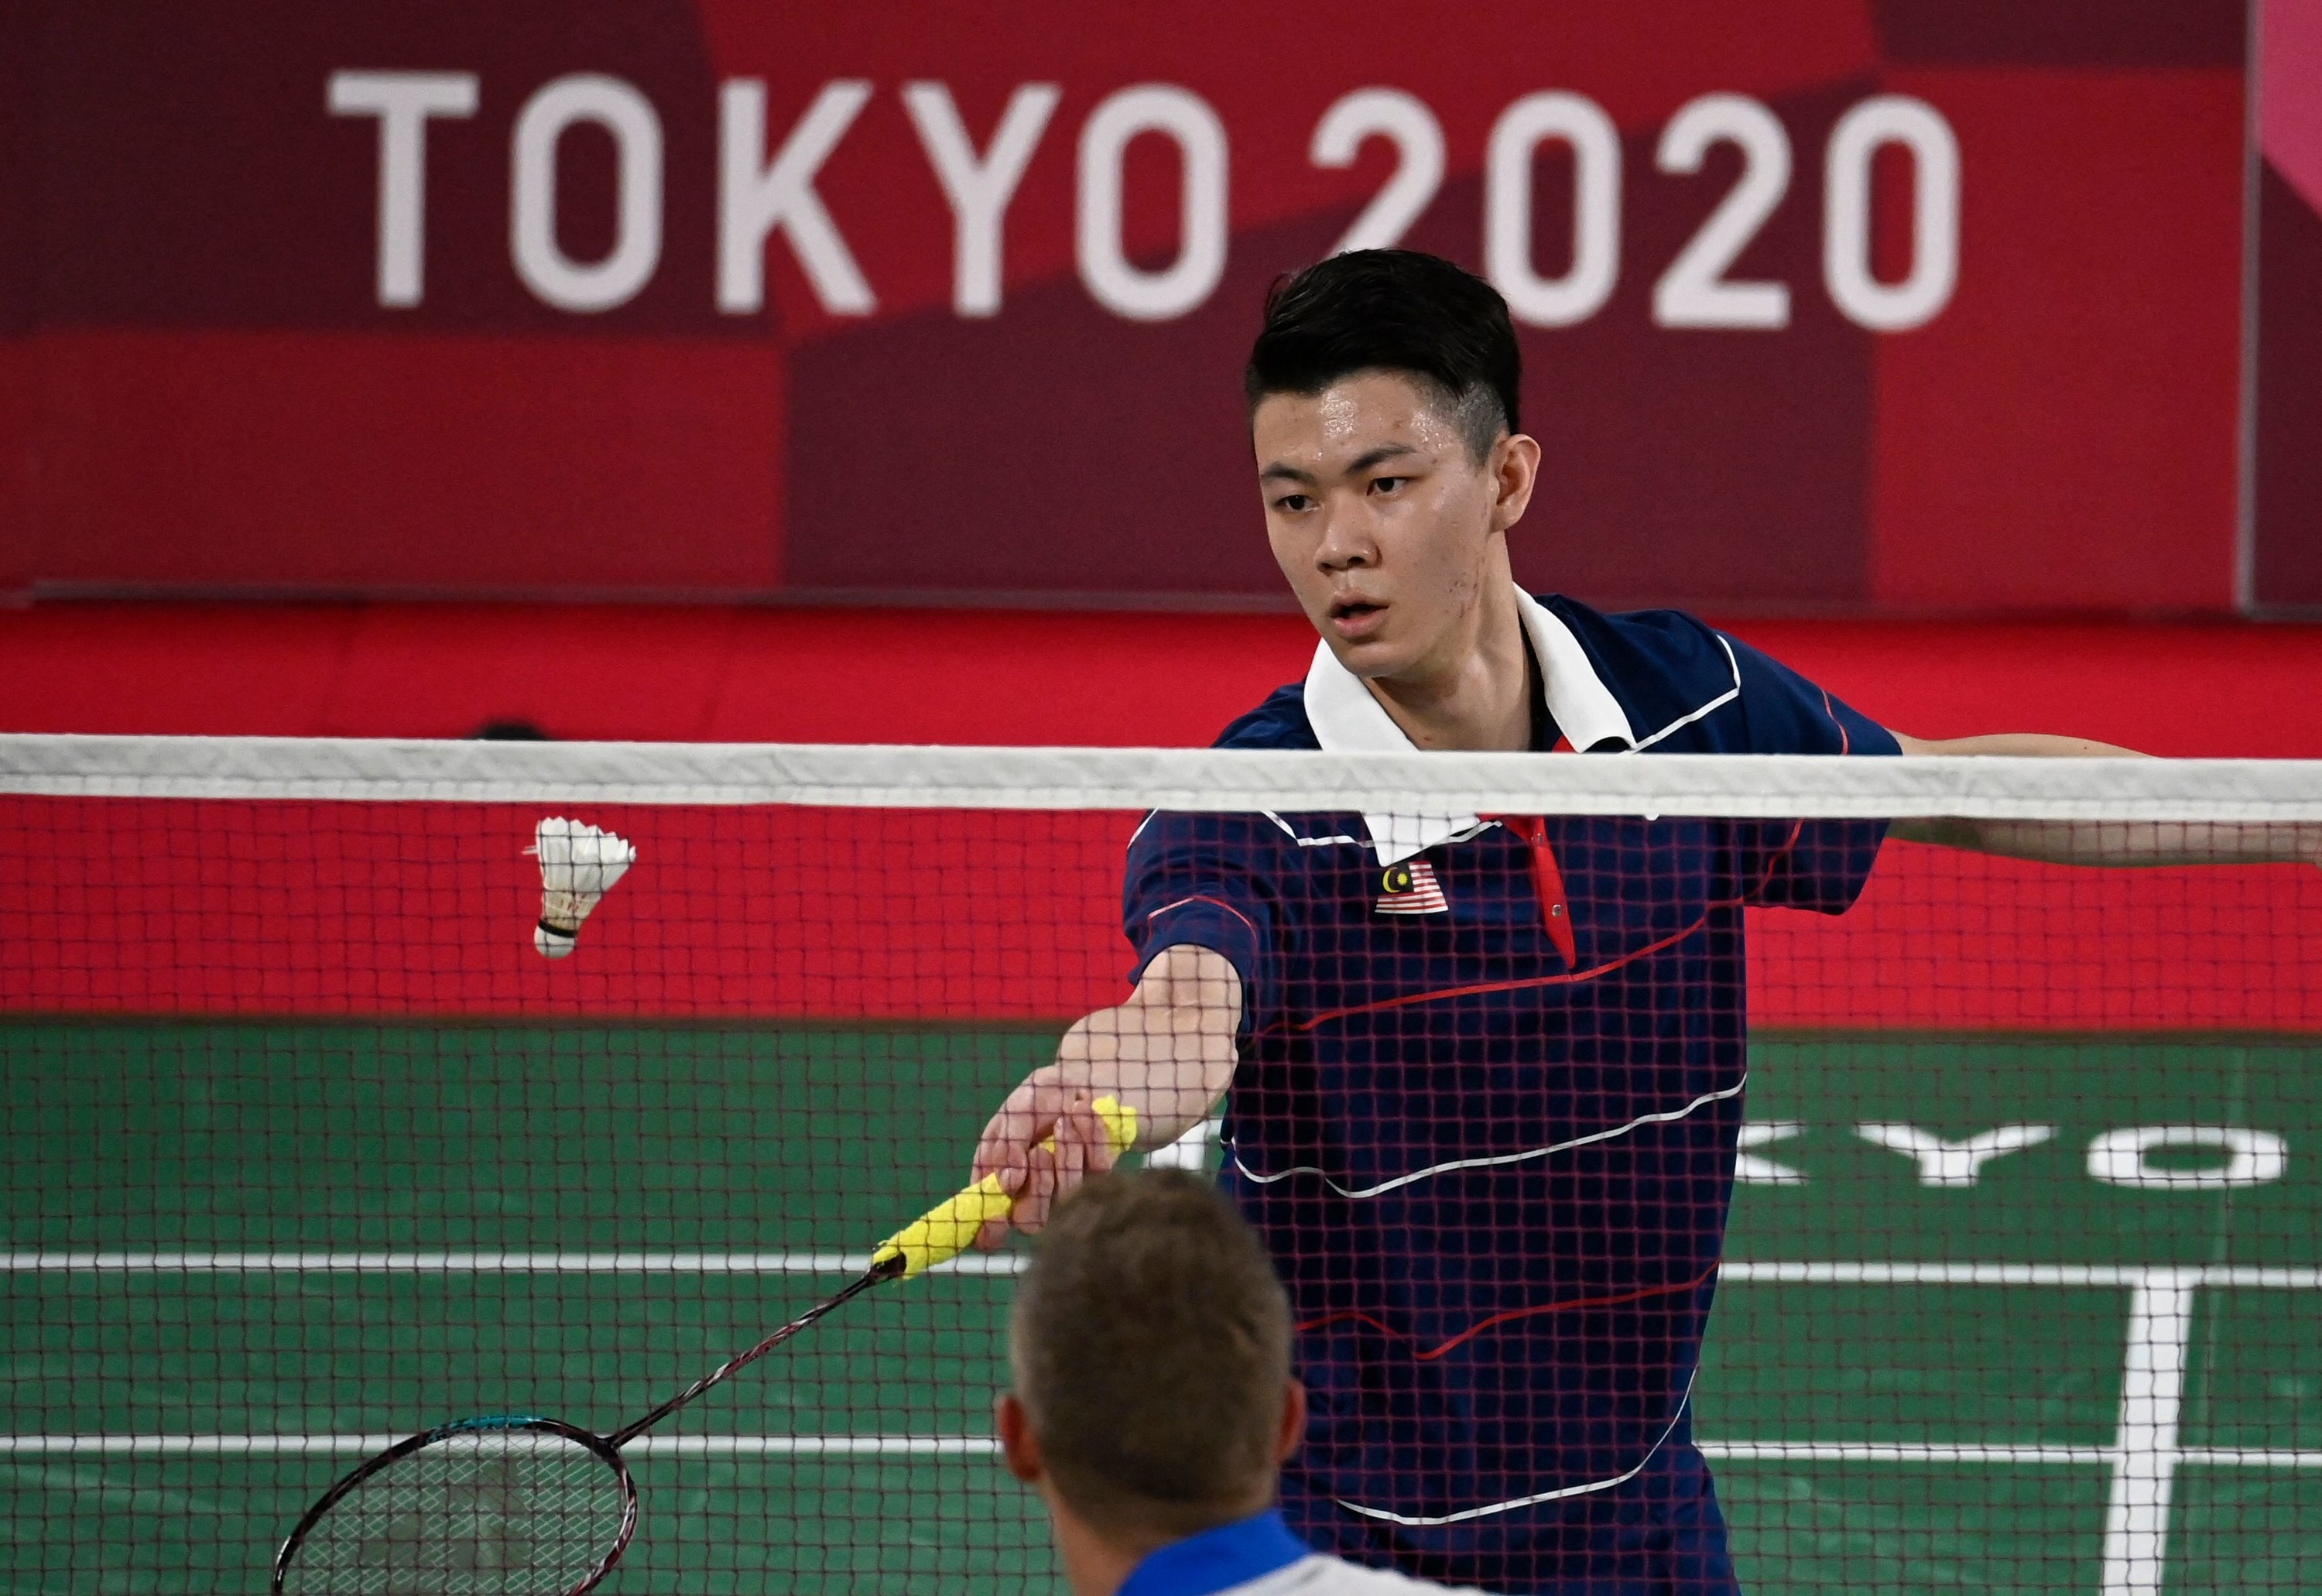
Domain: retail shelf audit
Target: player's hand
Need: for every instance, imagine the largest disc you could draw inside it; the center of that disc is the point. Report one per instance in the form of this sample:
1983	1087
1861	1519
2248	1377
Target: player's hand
1167	1053
1048	1103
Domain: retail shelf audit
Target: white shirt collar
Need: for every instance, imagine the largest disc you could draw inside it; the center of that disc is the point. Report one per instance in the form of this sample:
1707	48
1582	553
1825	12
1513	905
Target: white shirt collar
1347	719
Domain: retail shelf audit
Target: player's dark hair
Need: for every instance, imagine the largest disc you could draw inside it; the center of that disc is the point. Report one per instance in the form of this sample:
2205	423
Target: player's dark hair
1151	1341
1393	310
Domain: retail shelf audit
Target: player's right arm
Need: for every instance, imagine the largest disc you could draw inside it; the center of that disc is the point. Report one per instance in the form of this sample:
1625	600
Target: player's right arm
1168	1053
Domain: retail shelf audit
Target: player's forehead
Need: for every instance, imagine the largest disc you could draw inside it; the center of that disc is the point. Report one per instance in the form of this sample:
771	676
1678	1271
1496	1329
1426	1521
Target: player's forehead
1354	418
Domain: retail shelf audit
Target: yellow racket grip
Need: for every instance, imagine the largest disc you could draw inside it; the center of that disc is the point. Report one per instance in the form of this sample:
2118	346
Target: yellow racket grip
948	1229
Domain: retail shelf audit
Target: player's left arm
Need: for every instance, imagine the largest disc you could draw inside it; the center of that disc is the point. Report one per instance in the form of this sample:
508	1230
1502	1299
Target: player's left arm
2095	842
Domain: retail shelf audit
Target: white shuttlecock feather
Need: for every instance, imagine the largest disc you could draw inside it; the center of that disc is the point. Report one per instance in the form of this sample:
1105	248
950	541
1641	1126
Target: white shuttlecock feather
578	866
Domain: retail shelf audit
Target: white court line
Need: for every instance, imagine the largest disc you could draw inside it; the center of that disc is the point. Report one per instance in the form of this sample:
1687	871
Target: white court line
2151	1397
363	1445
1898	1452
2247	1457
358	1445
473	1262
2114	1276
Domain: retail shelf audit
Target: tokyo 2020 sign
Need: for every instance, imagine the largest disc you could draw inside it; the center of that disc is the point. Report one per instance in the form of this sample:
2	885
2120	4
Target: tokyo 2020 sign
1827	305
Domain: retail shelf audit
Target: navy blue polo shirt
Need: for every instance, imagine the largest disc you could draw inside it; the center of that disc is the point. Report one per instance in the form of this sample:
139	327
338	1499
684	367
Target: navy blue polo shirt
1488	1097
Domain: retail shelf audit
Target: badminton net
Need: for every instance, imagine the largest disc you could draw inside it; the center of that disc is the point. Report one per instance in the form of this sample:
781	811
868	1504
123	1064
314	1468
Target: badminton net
309	1145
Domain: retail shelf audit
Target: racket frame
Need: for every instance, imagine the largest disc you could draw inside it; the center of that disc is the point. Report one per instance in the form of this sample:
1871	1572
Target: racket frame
597	1445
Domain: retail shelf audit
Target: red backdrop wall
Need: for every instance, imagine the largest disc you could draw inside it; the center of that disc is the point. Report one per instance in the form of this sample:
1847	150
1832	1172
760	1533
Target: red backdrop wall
209	383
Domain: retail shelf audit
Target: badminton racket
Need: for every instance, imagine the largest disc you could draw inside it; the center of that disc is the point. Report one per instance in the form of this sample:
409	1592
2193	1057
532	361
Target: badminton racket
516	1504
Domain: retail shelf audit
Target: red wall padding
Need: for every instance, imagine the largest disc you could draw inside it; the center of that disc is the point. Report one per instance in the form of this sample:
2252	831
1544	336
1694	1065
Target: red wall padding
150	907
1125	678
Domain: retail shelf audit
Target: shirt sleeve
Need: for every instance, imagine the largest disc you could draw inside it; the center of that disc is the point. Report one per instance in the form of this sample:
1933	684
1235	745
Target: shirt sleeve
1193	881
1810	865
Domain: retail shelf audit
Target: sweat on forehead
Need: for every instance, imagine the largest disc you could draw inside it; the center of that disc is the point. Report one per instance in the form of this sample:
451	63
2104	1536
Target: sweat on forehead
1350	414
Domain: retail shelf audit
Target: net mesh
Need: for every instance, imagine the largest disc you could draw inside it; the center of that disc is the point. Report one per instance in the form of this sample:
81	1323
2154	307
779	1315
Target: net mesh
1967	1236
498	1512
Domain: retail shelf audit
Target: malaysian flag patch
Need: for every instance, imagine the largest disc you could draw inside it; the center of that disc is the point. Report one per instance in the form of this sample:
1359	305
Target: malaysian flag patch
1411	888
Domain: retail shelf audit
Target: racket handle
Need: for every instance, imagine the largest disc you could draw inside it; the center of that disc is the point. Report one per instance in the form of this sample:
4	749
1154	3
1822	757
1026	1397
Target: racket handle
948	1229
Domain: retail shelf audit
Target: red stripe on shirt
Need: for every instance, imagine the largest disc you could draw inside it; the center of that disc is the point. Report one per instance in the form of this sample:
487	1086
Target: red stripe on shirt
1530	981
1424	1354
1213	902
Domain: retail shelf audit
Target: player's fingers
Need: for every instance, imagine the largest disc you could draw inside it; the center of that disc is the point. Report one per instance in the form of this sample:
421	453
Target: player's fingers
1032	1203
1083	1147
1004	1133
1097	1137
1102	1154
1072	1156
1023	1118
993	1235
1084	1140
1088	1140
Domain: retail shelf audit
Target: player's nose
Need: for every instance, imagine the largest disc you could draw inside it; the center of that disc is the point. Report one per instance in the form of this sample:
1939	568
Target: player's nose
1345	545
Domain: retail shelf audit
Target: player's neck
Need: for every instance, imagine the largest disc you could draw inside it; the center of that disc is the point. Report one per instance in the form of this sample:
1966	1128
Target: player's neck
1094	1563
1479	697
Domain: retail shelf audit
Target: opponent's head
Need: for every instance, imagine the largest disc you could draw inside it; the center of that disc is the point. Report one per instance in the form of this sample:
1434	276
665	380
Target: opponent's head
1383	403
1150	1346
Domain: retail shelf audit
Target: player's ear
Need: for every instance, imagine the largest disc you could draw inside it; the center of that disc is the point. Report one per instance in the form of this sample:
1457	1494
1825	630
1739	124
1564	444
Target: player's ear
1294	1420
1018	1443
1515	467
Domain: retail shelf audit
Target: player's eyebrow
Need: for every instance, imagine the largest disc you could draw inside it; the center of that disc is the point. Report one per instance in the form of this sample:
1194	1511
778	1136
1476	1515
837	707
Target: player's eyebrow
1378	456
1279	472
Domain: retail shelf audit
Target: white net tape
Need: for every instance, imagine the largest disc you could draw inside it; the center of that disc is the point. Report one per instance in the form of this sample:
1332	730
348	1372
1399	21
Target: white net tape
1210	780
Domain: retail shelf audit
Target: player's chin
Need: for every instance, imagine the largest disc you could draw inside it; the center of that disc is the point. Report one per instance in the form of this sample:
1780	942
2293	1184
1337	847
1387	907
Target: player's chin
1370	657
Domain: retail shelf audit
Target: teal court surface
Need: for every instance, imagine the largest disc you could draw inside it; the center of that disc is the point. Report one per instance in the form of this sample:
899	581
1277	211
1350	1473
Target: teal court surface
1984	1326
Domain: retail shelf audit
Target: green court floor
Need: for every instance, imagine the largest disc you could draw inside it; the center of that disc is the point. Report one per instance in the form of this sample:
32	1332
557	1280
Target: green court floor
234	1252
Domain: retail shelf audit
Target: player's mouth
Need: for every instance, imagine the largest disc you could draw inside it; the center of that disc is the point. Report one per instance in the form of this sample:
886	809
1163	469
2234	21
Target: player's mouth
1356	617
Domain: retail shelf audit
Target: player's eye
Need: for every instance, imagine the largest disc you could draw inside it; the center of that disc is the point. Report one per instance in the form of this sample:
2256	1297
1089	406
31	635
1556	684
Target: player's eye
1388	484
1294	504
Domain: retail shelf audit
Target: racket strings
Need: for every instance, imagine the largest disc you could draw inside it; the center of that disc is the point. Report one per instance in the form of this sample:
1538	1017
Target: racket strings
513	1513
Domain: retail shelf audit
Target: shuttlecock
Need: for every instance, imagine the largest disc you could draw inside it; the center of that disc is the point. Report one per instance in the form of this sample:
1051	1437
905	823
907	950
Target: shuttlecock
578	866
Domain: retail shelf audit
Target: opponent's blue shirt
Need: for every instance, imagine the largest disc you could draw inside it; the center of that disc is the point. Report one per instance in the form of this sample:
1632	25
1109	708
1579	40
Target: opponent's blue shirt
1491	1085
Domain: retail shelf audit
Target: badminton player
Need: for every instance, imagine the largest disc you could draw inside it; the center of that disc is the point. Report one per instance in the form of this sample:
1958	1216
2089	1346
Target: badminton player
1153	1401
1487	1069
